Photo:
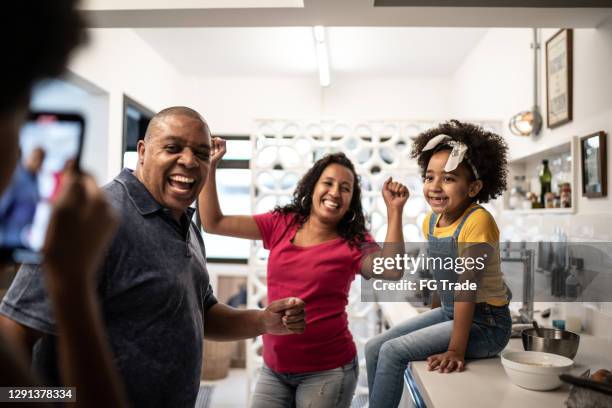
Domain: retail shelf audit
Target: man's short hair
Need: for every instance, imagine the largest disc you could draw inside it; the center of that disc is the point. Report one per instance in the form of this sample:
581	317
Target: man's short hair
173	111
39	37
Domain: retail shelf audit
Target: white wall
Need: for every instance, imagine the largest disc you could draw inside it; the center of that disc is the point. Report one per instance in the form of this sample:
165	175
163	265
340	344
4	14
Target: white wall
231	104
496	81
387	98
120	62
493	83
74	95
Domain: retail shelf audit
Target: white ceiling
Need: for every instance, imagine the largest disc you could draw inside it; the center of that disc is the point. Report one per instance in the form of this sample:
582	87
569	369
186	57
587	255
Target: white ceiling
289	51
273	37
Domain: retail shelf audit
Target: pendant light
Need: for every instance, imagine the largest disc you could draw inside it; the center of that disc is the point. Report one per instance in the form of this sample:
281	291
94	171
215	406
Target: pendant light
529	123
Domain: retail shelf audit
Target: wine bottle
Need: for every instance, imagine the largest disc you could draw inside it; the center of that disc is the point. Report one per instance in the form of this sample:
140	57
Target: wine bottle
545	182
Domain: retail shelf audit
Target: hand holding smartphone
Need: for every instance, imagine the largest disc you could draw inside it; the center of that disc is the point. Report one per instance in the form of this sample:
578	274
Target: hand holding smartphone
50	146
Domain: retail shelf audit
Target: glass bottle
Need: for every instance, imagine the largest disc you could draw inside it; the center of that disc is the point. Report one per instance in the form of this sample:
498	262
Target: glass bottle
565	192
545	182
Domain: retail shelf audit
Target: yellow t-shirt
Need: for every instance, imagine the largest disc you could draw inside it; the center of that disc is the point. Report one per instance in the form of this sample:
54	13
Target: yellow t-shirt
480	227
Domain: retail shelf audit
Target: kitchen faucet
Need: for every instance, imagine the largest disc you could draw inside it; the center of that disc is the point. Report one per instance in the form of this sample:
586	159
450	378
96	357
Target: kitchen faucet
526	256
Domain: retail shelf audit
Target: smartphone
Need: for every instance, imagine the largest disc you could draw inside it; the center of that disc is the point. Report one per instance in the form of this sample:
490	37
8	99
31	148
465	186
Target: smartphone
49	144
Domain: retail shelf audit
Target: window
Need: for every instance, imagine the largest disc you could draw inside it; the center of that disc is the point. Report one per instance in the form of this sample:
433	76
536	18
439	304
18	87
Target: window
135	121
234	189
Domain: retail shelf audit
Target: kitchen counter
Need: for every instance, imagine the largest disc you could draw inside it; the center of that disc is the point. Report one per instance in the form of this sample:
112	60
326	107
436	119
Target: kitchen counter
484	382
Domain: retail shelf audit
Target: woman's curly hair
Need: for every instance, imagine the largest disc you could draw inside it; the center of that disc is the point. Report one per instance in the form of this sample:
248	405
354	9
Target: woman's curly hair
486	151
351	229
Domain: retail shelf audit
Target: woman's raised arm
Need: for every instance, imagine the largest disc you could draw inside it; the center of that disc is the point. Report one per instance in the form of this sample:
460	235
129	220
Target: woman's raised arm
212	218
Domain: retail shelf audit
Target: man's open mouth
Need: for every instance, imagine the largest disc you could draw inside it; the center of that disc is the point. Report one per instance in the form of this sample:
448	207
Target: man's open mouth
181	183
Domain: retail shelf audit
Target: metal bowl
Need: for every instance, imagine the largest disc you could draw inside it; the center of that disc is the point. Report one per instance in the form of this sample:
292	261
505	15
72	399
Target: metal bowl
562	342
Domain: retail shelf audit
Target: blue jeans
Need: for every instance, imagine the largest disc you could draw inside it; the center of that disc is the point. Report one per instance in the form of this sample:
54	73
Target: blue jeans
320	389
388	354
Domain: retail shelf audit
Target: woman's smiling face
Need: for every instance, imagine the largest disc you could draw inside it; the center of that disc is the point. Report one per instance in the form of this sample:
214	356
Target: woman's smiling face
447	192
332	195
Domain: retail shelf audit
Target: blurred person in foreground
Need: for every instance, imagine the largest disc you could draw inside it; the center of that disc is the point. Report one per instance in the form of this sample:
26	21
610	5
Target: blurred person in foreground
41	35
153	285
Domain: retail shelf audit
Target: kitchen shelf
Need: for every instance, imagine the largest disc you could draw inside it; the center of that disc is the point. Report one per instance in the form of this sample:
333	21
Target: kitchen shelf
541	211
526	166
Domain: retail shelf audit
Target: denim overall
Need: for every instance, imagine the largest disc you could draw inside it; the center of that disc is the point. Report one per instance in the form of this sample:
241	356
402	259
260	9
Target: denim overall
495	319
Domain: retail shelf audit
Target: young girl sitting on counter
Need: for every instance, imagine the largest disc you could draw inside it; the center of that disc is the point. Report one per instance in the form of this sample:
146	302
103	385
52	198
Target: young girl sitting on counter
462	165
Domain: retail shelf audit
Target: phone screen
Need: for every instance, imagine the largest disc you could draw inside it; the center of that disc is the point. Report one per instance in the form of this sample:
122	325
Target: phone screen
49	144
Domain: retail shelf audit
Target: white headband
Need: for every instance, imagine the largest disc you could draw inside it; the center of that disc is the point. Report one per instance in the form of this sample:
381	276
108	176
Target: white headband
457	154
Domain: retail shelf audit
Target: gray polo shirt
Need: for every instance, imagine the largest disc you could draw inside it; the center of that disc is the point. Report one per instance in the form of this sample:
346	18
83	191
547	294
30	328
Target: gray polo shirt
154	291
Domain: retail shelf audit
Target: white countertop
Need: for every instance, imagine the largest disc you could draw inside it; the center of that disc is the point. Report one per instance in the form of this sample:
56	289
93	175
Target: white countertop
484	382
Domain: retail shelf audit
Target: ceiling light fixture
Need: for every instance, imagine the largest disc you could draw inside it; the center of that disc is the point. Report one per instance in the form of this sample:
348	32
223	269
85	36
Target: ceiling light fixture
322	55
529	123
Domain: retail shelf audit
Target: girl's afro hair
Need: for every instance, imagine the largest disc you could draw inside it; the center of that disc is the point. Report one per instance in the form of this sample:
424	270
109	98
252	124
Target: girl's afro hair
487	151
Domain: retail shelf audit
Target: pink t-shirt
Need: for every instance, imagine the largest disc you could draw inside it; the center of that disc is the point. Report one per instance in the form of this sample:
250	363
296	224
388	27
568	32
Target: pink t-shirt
321	276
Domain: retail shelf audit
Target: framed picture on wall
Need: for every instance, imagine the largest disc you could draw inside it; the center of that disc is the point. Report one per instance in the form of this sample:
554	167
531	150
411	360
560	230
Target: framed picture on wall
594	165
559	78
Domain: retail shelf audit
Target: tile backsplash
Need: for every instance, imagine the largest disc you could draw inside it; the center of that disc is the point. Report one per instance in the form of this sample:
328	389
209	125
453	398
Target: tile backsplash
577	227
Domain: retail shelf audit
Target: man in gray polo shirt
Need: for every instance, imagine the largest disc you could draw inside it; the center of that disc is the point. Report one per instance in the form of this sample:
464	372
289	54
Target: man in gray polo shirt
154	287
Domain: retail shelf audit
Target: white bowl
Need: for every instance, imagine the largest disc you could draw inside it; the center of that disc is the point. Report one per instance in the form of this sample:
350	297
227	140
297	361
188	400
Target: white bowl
535	370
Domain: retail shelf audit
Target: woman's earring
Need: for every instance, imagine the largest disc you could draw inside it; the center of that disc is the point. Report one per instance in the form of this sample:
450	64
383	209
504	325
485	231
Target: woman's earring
302	202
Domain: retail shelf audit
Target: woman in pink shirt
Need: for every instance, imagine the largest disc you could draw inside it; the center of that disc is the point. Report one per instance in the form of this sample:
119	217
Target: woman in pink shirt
317	244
